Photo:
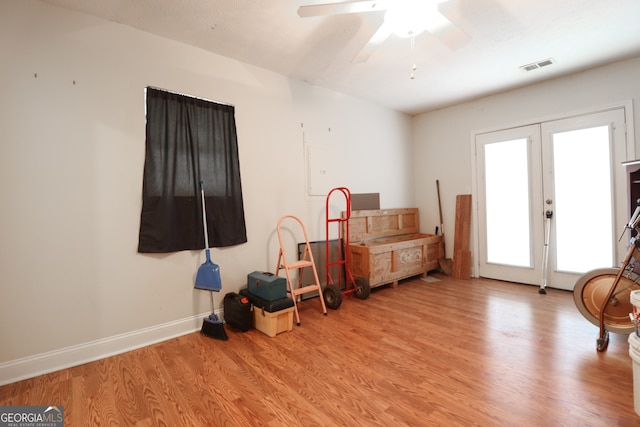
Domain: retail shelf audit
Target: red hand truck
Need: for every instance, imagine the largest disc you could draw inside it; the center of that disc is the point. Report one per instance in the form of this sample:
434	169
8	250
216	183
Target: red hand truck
358	286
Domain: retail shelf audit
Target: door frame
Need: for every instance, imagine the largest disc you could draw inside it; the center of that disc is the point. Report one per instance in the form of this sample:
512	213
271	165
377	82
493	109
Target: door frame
630	150
532	136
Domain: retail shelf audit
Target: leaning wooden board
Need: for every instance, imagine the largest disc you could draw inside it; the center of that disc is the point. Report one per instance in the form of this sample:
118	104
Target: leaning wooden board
385	246
461	252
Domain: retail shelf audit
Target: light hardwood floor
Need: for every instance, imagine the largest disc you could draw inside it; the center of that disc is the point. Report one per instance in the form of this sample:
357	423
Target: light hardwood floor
446	353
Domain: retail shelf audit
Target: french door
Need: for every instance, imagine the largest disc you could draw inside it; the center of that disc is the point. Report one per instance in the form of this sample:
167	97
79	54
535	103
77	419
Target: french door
550	199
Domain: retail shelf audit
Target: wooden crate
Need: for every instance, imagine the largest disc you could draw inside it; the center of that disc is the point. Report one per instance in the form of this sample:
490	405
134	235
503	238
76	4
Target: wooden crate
372	224
386	246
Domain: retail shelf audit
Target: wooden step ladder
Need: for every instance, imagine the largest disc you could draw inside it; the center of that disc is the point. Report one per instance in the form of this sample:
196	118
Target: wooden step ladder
306	261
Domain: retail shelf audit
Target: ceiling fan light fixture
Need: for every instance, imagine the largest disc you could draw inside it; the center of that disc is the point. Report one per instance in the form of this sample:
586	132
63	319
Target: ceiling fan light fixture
410	18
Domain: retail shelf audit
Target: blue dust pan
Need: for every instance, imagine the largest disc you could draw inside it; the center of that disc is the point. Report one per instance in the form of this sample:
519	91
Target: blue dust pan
208	276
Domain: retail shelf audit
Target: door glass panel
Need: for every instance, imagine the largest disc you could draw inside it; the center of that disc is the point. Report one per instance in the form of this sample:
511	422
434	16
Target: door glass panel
507	203
582	188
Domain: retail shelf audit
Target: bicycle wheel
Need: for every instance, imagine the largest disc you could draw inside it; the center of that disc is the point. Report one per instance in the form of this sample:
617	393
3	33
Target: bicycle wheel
590	293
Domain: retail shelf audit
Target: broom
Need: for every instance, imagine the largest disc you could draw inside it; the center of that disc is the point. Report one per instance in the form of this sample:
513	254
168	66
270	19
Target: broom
208	278
446	264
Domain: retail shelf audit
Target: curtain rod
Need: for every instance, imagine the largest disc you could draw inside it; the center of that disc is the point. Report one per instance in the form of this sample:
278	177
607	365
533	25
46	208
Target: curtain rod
190	96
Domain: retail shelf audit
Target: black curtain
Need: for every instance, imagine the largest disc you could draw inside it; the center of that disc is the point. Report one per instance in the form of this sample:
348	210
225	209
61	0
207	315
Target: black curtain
190	140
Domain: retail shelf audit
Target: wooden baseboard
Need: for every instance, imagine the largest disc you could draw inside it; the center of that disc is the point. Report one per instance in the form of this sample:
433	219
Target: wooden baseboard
32	366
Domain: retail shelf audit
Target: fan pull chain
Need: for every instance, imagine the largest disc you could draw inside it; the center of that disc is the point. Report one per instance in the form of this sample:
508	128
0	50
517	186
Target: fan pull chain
414	67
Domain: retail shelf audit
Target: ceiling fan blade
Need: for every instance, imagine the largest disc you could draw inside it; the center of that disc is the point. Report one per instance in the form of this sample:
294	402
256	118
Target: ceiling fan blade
376	40
341	8
448	32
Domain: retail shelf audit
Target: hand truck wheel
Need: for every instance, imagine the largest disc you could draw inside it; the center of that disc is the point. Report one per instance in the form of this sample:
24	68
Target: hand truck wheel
362	288
332	296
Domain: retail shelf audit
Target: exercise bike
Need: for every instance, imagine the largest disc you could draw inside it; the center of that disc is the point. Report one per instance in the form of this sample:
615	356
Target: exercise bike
602	295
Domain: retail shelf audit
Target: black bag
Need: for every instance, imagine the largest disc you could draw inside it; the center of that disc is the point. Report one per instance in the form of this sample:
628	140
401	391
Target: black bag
237	312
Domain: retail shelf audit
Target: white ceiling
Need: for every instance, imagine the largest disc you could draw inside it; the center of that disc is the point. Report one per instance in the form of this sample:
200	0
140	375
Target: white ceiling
506	34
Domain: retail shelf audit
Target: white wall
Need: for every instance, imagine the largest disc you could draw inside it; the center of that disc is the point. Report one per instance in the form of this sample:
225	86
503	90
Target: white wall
443	138
72	133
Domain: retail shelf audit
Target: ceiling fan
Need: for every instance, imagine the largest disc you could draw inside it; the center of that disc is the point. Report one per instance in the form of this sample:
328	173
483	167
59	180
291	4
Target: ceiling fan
405	18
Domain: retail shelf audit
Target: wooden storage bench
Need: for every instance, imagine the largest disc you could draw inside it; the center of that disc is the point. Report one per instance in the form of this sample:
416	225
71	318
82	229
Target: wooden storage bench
385	246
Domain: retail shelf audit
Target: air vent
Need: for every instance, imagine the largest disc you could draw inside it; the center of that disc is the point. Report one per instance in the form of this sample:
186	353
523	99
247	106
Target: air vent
536	65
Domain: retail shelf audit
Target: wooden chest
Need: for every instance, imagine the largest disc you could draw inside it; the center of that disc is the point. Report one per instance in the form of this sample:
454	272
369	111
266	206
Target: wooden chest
385	246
